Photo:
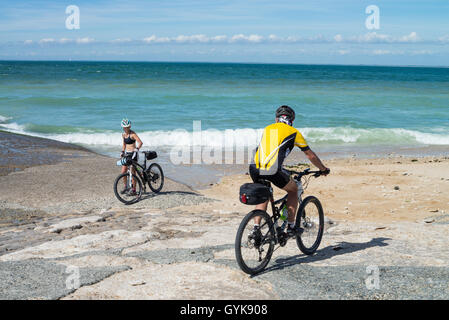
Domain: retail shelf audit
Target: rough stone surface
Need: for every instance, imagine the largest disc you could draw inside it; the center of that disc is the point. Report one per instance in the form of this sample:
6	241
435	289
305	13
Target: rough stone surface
41	279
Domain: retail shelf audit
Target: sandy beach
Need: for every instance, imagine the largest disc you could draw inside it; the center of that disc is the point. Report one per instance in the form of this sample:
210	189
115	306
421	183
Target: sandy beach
390	212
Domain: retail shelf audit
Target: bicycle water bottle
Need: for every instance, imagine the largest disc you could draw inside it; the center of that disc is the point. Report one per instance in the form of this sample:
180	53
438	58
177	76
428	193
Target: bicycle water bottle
283	217
284	213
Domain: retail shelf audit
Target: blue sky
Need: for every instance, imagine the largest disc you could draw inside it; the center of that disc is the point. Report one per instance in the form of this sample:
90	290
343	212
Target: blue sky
282	31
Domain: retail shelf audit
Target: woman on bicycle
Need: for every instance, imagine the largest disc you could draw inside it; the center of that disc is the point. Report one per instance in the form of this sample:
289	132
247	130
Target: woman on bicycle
129	149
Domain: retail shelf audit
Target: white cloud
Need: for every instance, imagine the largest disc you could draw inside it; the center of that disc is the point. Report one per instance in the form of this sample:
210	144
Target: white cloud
387	52
120	40
444	39
422	52
65	40
154	39
46	40
253	38
412	37
85	40
338	38
374	37
221	38
200	38
318	38
368	38
273	38
381	52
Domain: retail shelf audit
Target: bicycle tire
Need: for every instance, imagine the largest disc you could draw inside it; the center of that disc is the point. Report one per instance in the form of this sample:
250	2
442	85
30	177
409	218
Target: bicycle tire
154	188
238	242
300	217
118	181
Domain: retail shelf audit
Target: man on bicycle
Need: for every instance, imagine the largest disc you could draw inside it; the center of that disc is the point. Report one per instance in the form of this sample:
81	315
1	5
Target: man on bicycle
278	140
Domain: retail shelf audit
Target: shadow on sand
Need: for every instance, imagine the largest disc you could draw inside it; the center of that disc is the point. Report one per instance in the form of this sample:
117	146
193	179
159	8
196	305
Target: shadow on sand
150	195
325	253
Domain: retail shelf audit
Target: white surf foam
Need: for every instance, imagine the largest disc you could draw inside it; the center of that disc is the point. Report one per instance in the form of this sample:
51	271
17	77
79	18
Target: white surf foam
247	137
3	119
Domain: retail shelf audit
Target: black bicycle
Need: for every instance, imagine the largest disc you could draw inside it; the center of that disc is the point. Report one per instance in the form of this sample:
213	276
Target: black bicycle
129	186
255	246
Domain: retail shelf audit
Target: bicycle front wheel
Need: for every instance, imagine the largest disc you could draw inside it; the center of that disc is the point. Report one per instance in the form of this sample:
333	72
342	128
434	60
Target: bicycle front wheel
310	217
254	247
155	177
128	190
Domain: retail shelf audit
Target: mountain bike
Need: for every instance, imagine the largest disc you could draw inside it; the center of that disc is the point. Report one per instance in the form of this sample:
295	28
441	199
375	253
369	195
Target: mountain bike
129	186
255	246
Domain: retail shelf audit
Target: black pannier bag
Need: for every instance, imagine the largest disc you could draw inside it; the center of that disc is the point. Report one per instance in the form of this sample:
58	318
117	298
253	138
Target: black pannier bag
151	155
254	193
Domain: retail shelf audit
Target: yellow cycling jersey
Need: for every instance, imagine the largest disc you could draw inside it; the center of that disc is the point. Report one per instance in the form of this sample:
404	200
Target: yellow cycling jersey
278	139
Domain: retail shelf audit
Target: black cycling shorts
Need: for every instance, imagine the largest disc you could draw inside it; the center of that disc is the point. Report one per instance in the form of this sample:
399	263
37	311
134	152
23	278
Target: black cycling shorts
279	179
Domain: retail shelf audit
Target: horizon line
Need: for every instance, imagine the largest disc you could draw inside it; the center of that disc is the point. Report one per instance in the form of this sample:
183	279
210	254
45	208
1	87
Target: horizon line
229	62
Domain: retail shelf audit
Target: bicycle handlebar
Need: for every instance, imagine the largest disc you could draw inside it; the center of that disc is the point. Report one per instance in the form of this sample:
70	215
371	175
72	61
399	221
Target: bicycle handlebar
306	172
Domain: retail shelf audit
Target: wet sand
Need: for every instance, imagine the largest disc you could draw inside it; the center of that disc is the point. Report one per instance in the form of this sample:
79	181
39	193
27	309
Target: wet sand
18	151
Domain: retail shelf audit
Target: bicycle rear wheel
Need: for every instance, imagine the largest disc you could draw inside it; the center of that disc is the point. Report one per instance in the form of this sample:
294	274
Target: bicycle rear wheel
123	188
310	217
155	177
253	250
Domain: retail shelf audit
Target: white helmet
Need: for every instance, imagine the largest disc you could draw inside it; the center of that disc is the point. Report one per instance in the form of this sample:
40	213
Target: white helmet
126	123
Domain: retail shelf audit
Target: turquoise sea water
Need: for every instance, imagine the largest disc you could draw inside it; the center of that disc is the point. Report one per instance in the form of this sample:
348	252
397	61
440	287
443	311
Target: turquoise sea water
83	102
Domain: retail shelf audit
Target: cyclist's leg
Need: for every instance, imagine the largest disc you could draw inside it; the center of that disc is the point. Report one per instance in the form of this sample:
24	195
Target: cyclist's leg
254	174
263	207
124	168
292	200
133	171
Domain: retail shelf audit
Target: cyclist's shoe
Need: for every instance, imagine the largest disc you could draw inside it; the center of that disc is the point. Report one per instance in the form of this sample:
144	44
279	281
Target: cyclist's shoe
256	236
126	190
132	193
294	231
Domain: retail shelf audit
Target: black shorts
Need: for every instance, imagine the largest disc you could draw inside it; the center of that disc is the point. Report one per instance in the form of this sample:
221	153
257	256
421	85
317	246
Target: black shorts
279	179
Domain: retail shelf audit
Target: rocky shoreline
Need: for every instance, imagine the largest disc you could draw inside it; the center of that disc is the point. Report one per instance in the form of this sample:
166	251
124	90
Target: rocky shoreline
63	235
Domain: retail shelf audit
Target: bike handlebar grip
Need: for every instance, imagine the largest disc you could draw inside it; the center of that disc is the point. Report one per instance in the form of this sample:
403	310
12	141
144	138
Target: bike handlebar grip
327	171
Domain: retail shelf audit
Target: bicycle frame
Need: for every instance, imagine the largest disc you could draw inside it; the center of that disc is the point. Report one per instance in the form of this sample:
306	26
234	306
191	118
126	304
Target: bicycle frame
276	205
270	233
140	173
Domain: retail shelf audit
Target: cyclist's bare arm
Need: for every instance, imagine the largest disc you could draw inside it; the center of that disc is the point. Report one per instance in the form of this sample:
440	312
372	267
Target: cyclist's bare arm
139	142
123	148
315	160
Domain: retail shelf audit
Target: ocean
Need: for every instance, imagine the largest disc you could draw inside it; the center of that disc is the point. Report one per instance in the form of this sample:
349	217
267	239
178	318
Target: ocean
338	107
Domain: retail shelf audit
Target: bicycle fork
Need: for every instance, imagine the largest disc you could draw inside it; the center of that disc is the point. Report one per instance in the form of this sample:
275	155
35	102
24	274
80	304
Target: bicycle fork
130	180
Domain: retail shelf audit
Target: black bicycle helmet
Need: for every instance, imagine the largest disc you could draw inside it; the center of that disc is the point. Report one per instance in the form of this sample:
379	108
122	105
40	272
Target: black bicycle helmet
287	111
